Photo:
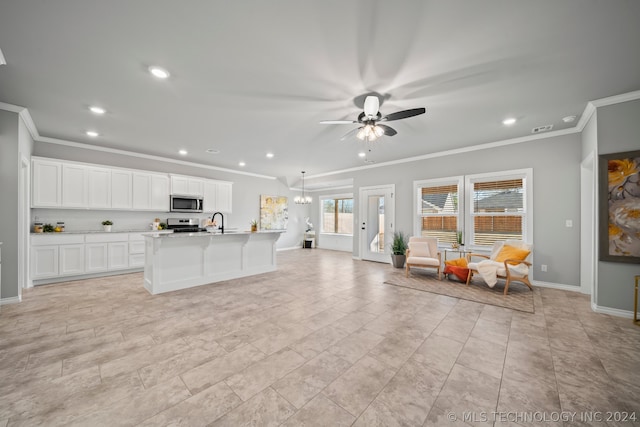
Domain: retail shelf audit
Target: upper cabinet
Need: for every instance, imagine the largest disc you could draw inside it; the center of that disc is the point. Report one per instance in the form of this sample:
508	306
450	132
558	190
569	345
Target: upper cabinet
217	196
150	192
75	185
187	185
46	190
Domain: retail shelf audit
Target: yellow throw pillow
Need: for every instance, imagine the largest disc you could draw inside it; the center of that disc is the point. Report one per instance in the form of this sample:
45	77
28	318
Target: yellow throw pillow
458	262
511	252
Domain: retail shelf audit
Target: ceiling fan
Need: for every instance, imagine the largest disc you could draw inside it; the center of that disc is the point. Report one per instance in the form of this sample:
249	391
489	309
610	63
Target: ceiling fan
370	119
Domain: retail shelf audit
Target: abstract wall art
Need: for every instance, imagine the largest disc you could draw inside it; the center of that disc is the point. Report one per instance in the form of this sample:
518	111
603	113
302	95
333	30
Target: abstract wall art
619	207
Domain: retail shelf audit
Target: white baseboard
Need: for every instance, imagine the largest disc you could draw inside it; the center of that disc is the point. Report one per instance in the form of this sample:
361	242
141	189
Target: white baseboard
612	311
11	300
357	258
560	286
288	249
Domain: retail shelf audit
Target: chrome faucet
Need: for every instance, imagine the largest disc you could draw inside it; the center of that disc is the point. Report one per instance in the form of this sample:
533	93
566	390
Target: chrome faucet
221	221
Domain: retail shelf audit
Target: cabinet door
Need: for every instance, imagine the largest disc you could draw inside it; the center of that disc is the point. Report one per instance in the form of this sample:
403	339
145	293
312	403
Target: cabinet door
196	187
96	257
99	187
121	189
118	255
44	261
160	193
46	190
71	259
180	185
223	197
141	190
74	186
209	196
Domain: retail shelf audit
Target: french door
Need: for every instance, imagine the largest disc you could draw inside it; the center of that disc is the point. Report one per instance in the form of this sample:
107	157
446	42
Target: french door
377	219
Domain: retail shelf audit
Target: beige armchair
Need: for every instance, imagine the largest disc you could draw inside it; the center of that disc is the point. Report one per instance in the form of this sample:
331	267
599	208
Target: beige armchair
423	253
513	269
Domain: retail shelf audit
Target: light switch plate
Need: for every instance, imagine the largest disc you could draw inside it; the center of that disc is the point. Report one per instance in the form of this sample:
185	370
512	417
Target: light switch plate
568	223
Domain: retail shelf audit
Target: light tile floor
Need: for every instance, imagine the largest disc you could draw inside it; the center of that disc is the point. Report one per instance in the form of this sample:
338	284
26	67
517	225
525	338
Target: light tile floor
322	341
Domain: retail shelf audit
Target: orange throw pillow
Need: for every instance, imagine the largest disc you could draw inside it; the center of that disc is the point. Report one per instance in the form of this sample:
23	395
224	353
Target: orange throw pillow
511	252
458	262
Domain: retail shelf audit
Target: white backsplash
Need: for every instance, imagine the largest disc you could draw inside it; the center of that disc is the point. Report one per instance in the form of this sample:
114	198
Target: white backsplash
91	220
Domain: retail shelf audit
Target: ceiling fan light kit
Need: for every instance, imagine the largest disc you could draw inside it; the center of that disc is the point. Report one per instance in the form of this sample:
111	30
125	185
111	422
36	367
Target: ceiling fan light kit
369	118
302	200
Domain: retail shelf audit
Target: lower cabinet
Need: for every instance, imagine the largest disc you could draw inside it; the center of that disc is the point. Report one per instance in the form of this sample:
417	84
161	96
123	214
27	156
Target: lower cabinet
60	255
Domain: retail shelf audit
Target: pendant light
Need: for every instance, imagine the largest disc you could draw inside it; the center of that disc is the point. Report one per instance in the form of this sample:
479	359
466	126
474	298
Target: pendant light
302	200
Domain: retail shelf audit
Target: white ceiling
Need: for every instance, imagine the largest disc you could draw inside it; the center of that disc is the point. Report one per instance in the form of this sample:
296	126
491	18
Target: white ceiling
248	77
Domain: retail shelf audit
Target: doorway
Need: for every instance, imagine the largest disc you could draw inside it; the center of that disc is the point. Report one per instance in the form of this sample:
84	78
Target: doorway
377	218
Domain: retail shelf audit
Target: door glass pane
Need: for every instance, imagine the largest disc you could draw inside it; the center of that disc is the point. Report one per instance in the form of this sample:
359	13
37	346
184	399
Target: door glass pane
375	231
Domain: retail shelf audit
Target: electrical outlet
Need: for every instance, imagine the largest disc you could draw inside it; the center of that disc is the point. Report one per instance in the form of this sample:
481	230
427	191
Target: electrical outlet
543	267
568	223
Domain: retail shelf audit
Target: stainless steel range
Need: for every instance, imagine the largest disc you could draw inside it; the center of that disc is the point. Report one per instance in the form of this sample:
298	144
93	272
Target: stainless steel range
184	225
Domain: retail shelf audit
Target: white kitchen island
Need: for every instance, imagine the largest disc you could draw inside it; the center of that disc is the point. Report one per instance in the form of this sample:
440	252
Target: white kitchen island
184	260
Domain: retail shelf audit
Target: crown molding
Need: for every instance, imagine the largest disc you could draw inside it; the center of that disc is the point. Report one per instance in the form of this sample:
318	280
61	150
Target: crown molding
445	153
145	156
616	99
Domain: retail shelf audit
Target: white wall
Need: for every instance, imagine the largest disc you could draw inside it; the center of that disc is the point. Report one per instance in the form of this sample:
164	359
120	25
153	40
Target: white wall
618	130
556	183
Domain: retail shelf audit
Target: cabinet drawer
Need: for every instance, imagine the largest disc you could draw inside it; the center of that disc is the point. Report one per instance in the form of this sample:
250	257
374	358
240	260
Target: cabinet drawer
136	260
107	237
56	239
136	237
136	247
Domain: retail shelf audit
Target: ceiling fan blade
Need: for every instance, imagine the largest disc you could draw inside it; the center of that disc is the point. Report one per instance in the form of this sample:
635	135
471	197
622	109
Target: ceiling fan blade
388	131
404	114
337	122
350	133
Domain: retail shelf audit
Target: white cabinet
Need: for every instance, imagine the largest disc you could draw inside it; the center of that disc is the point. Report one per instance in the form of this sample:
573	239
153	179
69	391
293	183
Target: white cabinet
136	250
46	189
96	257
71	259
118	255
141	191
44	261
224	197
187	186
150	192
74	185
217	196
160	192
121	189
56	255
99	187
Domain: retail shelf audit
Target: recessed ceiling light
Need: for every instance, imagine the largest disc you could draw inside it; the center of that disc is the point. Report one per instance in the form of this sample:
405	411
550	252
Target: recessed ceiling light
92	133
241	164
213	151
569	119
269	155
159	72
509	121
183	152
97	110
362	154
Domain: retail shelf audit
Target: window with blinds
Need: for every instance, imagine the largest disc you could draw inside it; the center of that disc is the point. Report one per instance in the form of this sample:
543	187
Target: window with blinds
439	210
498	211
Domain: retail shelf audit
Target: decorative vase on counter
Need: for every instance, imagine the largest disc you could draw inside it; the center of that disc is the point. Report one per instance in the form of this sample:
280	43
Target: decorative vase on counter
254	228
107	228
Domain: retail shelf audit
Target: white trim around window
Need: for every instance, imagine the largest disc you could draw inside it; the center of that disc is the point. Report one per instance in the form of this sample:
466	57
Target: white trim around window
527	202
437	182
321	199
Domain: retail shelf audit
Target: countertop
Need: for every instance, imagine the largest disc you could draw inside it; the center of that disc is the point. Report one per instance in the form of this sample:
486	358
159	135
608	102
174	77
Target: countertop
155	234
101	231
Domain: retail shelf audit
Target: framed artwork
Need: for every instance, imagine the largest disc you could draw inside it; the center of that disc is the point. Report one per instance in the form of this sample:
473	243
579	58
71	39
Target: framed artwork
274	212
619	207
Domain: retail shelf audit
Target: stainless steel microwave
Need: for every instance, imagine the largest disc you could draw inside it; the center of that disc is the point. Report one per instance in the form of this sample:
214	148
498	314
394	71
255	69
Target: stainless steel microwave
185	203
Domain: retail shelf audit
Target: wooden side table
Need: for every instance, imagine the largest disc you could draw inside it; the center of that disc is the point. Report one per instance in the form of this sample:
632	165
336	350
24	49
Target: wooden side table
635	303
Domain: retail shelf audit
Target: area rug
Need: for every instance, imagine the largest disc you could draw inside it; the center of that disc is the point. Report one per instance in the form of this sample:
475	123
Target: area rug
520	297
